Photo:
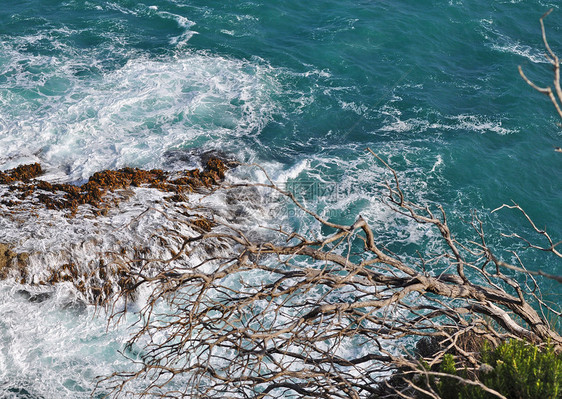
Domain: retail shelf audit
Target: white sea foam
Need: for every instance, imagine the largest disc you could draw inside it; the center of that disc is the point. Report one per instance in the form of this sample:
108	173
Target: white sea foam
438	163
121	9
282	176
359	109
462	122
52	239
130	116
520	49
133	116
501	42
53	346
478	124
182	21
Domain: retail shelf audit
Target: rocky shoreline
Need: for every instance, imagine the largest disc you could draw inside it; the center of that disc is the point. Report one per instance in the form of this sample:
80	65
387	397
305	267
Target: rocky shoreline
100	258
23	182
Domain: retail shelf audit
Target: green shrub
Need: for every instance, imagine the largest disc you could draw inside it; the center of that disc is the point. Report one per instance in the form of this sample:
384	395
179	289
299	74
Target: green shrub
518	371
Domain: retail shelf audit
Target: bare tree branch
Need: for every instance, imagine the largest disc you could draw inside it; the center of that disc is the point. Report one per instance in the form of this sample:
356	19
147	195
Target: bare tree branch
553	59
268	313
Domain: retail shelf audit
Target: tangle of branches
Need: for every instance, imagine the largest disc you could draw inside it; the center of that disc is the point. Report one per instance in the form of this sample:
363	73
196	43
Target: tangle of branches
269	313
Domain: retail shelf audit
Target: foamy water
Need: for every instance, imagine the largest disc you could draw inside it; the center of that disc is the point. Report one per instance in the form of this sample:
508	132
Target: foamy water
134	115
58	348
86	86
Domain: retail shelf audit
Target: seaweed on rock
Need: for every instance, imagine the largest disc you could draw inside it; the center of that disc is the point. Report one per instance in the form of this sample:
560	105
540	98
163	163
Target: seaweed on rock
23	182
98	276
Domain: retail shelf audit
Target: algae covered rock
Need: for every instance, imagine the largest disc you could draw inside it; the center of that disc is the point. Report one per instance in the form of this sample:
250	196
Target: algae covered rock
6	257
12	264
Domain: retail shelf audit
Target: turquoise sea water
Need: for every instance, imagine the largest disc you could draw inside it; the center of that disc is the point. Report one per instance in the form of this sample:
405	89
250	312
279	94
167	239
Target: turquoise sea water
299	87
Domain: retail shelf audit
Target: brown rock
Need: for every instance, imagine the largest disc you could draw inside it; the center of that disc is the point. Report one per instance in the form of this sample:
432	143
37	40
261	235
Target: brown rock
101	183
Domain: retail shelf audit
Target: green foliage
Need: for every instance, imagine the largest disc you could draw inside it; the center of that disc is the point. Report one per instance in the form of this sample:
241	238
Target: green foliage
515	369
448	387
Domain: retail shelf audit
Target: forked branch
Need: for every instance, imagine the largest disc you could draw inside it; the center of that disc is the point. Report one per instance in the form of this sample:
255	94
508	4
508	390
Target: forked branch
555	62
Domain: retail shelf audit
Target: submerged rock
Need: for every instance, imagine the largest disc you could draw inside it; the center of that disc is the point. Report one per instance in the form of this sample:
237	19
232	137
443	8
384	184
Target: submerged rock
36	297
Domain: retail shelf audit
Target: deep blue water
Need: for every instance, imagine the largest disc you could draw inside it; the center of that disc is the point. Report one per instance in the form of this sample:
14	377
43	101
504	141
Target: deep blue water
301	88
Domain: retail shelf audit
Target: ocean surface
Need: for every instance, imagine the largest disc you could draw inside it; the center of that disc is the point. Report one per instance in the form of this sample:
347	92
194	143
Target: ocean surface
302	88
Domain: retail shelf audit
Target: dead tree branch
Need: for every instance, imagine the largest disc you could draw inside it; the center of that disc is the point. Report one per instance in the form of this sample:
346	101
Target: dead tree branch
555	95
238	315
